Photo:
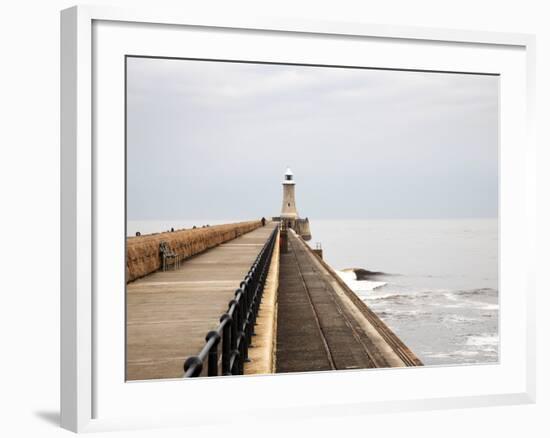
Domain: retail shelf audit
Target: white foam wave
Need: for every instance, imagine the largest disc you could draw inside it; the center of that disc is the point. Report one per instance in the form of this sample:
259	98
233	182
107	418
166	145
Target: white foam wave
483	340
383	296
350	278
490	307
450	296
452	318
453	354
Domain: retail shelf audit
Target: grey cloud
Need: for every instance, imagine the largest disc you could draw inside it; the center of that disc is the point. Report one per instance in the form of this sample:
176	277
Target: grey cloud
211	140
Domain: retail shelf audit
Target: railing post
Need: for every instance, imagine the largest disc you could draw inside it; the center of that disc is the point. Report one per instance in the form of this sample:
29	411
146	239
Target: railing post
245	285
244	300
234	335
226	344
240	296
213	353
246	288
256	304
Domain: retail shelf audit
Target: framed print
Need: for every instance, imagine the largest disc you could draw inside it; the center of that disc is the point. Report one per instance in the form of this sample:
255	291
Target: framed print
343	213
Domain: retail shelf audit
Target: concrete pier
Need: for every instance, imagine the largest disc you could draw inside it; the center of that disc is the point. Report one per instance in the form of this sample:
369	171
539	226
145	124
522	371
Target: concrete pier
308	319
169	313
320	326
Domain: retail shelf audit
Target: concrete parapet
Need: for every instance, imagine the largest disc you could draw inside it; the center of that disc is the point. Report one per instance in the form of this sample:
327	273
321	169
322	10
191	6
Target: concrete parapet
302	228
318	252
143	255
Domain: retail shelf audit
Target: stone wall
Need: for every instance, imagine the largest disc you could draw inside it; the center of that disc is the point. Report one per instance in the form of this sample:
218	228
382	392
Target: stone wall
142	252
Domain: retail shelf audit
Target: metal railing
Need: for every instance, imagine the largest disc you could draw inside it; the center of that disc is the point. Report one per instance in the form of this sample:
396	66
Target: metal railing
236	326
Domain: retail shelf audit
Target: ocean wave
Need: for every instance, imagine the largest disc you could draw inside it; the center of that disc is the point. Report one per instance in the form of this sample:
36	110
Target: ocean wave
453	354
475	292
392	315
362	274
356	285
406	314
398	297
456	318
484	306
485	301
484	340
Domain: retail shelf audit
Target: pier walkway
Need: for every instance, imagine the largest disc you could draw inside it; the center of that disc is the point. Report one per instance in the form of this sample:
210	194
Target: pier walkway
322	326
169	313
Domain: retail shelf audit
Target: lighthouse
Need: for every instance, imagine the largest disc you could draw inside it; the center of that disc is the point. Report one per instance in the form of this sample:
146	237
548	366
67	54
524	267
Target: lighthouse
289	213
288	210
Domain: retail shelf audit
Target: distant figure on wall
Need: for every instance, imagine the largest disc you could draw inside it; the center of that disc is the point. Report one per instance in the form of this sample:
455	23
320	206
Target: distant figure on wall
263	222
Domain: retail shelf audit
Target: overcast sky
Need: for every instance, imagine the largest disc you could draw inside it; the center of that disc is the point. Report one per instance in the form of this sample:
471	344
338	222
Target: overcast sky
212	140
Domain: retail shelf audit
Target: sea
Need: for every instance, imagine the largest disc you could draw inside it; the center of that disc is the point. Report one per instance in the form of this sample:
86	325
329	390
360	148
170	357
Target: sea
434	282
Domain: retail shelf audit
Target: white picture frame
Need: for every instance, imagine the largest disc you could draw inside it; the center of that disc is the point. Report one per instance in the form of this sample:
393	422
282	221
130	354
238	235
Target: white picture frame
83	43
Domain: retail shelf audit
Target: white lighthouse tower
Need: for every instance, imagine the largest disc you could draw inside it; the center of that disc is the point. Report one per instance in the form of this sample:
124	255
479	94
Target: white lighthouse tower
288	210
289	213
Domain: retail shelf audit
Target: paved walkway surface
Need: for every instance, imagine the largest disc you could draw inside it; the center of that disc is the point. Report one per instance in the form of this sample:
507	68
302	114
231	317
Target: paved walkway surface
318	328
169	313
261	352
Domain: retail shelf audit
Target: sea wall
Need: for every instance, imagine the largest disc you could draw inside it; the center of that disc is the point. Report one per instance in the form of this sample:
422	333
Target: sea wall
142	252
